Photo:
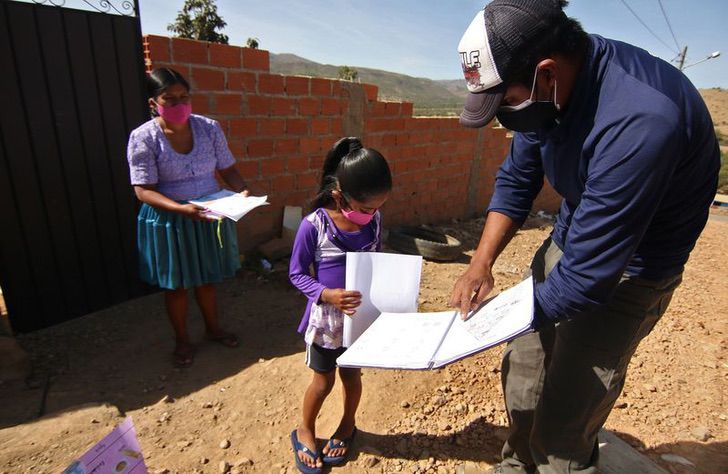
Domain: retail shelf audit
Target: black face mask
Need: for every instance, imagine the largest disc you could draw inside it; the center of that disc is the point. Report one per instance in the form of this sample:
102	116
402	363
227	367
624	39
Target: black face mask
530	115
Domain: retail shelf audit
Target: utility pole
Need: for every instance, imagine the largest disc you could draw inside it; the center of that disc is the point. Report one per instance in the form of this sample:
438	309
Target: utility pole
681	57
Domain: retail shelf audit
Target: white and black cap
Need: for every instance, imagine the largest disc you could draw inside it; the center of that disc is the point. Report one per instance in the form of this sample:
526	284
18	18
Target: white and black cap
497	34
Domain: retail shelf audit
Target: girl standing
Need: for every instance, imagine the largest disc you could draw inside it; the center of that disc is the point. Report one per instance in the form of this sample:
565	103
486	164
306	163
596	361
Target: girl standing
356	182
172	159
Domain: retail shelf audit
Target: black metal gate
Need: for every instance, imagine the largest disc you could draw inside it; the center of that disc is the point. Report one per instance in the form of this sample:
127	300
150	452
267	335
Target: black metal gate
71	82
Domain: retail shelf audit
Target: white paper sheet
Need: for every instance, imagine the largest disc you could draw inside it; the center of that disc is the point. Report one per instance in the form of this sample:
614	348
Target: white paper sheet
389	283
399	340
226	203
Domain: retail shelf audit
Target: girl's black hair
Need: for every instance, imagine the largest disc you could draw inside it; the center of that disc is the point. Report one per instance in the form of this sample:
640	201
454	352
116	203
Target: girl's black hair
360	173
161	78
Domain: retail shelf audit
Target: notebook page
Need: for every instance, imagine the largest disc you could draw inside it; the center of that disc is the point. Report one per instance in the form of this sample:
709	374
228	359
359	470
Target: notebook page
389	283
399	341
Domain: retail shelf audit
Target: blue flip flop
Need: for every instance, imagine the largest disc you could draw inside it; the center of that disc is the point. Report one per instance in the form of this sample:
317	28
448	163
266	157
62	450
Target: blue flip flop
298	446
345	443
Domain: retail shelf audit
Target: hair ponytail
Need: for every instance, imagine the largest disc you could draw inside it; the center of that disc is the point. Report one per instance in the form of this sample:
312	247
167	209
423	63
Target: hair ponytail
359	172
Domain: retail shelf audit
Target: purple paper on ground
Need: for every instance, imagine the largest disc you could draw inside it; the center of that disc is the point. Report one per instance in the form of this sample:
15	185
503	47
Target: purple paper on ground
118	453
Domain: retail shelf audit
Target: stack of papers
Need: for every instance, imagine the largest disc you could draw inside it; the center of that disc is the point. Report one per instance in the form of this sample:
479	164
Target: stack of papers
228	204
433	340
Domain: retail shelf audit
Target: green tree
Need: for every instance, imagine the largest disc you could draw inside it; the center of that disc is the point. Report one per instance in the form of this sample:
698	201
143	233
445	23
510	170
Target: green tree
348	73
252	43
199	20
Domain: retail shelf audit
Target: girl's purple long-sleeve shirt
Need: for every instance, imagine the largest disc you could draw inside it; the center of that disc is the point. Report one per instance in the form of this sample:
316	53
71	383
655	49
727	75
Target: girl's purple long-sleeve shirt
318	259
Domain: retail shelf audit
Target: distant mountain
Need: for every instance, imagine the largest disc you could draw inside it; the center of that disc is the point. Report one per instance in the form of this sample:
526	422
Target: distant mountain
429	97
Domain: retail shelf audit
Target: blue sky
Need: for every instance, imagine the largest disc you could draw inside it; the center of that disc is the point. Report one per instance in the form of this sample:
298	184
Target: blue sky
420	38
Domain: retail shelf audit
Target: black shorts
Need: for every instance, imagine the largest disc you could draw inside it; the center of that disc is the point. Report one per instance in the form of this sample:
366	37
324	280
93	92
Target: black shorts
321	359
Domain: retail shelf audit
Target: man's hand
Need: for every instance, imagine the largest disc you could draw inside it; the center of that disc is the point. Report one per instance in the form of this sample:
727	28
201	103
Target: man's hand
346	301
471	289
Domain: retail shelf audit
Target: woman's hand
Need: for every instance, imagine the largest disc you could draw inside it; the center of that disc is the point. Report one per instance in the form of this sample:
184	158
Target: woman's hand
346	301
471	289
193	211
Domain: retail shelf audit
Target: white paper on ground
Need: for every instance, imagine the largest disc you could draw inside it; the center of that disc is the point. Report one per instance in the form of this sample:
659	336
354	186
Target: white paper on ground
229	204
430	340
389	283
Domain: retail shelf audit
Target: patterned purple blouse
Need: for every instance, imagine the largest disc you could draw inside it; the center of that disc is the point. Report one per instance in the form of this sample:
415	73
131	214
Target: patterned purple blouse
152	160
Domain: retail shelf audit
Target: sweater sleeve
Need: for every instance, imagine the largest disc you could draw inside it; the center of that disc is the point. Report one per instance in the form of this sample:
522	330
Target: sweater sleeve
519	179
302	257
626	180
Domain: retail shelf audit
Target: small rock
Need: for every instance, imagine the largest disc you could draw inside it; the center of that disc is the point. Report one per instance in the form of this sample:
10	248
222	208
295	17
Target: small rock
244	462
207	405
223	467
405	404
204	461
224	444
162	471
621	405
649	387
371	462
94	420
166	399
676	459
702	433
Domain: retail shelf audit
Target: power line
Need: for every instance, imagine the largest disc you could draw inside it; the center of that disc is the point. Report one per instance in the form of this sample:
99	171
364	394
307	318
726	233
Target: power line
647	27
668	24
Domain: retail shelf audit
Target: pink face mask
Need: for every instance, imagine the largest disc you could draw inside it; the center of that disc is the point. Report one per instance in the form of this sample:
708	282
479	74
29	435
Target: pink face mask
358	217
175	114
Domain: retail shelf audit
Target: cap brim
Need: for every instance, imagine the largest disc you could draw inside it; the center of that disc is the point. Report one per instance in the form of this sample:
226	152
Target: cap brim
481	107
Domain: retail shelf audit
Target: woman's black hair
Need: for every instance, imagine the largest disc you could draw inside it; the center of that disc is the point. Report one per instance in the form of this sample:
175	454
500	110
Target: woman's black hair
565	36
160	79
360	173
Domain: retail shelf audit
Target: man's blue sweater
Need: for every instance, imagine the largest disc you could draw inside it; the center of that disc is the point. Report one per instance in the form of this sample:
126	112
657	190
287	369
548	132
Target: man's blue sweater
635	158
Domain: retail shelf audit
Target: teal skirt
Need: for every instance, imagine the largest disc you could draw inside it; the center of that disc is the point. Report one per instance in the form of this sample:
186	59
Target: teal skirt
178	252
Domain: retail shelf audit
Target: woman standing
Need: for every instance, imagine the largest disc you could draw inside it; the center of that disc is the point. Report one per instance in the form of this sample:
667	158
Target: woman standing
172	159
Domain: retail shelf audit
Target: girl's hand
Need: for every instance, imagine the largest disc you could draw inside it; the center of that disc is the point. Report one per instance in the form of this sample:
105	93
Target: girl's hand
193	211
245	192
346	301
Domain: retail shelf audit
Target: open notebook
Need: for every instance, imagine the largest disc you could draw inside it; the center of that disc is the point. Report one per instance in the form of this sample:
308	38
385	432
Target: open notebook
226	203
388	282
432	340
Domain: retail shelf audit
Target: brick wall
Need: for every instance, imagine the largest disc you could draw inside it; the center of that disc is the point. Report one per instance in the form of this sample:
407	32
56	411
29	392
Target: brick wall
280	127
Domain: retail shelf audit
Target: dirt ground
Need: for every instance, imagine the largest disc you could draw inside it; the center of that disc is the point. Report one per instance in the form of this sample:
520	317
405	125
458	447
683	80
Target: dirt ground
91	371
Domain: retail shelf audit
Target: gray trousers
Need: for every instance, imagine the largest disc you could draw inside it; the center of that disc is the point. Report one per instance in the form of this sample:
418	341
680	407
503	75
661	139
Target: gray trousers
561	383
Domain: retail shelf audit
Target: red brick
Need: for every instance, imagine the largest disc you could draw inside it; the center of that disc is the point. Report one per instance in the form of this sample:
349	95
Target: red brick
200	103
298	85
224	55
309	106
371	91
282	106
337	127
236	145
296	126
272	166
307	180
310	145
297	164
270	84
258	105
241	81
336	88
286	146
393	108
257	59
227	104
248	169
243	127
271	126
320	86
205	79
260	148
407	109
330	106
282	184
377	109
158	47
189	51
320	126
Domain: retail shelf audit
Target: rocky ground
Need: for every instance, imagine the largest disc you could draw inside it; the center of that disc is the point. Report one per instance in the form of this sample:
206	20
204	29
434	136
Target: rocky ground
234	409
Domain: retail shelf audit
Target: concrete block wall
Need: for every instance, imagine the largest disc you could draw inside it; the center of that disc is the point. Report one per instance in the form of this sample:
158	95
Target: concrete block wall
280	127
